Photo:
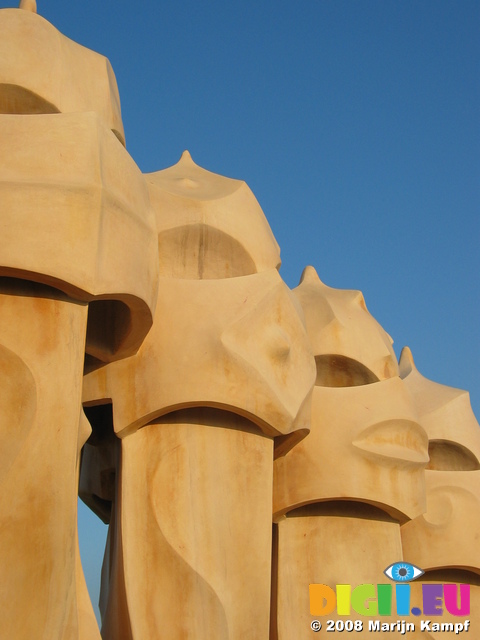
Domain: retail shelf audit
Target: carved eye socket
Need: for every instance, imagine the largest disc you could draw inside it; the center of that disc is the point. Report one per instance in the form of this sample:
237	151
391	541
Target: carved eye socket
403	572
339	371
450	456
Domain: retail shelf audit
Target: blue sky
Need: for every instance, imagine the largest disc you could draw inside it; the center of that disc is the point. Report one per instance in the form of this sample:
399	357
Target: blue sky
355	123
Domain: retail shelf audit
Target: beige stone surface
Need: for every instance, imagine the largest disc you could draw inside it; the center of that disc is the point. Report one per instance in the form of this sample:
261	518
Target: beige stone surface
43	71
235	343
359	472
209	226
334	543
42	432
447	416
91	192
190	554
28	5
349	345
447	534
73	201
444	540
88	190
365	444
193	385
226	369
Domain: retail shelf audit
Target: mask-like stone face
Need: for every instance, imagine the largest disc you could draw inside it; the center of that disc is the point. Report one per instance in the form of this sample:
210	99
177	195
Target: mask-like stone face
447	534
209	226
365	444
236	344
96	222
349	345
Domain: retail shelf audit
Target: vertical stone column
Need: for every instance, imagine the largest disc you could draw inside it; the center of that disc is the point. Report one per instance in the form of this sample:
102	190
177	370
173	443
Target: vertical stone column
331	543
194	530
225	370
72	201
342	492
42	351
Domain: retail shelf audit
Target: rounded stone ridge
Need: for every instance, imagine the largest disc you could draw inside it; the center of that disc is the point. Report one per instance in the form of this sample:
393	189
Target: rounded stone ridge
209	226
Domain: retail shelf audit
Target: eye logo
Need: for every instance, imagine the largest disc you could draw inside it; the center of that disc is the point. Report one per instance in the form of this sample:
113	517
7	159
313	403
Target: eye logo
403	572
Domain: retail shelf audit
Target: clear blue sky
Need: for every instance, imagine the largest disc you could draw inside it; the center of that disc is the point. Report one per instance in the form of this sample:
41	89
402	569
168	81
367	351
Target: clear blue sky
355	123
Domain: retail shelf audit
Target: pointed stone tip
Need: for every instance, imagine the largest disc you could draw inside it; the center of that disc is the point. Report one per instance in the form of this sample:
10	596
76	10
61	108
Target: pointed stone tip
28	5
406	362
309	274
186	156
